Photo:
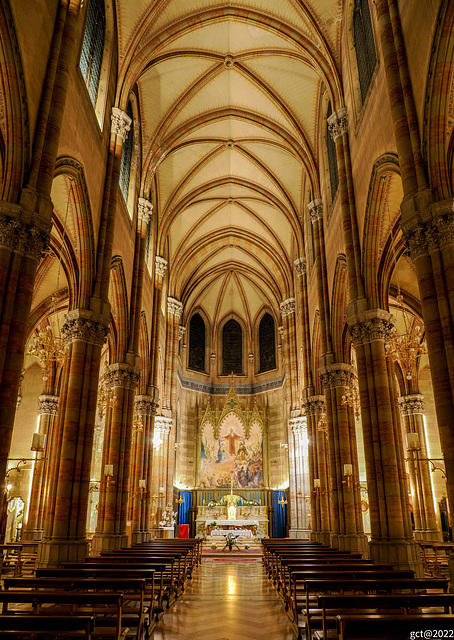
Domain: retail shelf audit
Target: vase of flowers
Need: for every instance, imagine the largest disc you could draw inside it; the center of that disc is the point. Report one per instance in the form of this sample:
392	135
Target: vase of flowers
231	541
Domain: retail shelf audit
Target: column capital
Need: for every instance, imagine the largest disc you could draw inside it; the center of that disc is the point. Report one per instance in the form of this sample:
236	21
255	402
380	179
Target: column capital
121	123
123	375
85	325
174	307
20	236
338	374
298	425
315	210
48	405
145	405
144	210
160	266
411	405
287	307
300	266
338	123
429	228
162	425
369	325
314	405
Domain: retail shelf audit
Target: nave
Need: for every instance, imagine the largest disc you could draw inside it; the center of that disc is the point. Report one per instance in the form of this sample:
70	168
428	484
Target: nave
228	600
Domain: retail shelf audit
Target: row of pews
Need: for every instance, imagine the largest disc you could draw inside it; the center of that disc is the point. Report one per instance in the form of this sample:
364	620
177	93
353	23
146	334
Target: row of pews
119	595
332	594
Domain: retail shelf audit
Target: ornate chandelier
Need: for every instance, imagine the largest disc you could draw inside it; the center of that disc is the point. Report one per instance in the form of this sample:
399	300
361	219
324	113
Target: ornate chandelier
405	348
48	348
106	396
351	398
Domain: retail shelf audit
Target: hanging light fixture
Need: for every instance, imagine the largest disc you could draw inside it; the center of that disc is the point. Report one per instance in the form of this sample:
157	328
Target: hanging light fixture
351	398
407	347
106	396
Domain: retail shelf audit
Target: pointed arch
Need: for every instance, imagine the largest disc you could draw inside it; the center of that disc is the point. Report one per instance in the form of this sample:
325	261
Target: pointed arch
118	296
339	328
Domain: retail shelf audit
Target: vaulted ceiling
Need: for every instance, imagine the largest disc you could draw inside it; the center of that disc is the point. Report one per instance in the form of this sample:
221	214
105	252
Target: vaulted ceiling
229	96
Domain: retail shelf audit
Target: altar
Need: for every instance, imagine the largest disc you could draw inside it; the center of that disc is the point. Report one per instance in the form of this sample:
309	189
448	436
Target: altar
230	514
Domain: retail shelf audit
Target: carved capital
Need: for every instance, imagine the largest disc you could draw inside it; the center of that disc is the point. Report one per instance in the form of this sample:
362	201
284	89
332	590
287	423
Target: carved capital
374	324
300	266
162	425
86	326
145	405
174	307
181	331
121	123
48	405
287	307
315	210
19	236
338	123
314	405
144	210
160	266
411	405
299	425
431	235
338	374
122	375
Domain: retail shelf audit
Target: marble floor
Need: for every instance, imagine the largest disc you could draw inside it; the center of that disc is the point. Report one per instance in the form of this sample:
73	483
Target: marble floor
227	600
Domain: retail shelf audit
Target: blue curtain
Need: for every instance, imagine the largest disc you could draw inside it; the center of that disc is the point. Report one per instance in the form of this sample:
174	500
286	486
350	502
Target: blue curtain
184	507
279	515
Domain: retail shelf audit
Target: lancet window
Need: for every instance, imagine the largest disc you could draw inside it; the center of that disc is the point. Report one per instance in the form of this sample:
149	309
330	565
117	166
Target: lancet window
267	343
366	55
232	349
93	47
197	338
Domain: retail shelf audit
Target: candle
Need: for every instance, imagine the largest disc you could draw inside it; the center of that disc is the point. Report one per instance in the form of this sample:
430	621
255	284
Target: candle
316	483
142	484
412	441
108	469
348	469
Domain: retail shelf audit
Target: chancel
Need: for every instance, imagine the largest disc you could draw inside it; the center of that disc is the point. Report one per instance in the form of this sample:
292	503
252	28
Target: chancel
226	277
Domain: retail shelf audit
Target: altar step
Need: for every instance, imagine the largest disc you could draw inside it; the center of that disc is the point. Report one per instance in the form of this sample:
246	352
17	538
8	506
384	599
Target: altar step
254	552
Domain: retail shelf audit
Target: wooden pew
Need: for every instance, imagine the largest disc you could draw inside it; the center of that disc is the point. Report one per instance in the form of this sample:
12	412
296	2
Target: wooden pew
333	605
328	584
69	603
137	611
392	627
37	626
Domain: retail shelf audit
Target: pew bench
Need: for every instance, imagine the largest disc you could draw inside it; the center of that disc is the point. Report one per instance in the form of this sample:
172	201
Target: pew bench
106	607
48	627
393	627
333	605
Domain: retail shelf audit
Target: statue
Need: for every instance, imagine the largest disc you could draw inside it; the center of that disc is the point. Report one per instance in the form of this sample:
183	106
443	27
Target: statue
169	517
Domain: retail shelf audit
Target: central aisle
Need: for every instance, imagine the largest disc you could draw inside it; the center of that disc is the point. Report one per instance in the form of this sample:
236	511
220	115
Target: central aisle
227	600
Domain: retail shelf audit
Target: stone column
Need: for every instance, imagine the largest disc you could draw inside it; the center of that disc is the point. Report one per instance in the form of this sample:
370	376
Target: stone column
345	495
391	532
412	411
159	488
315	409
111	533
47	410
299	479
65	513
141	487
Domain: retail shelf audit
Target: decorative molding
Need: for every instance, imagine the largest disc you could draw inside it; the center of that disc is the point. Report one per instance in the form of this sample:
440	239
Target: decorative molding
48	405
222	390
339	374
181	331
314	405
122	375
427	237
84	325
280	331
160	266
144	210
315	210
338	123
299	425
411	405
174	307
162	425
145	405
287	307
369	325
121	123
300	266
20	237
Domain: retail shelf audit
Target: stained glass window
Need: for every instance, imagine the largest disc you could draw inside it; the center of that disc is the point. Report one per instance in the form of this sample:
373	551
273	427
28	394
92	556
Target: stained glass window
366	56
267	343
197	343
93	47
232	349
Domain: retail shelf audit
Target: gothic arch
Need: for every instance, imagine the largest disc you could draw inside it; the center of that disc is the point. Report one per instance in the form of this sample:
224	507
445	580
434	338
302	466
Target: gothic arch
119	299
316	351
339	329
144	353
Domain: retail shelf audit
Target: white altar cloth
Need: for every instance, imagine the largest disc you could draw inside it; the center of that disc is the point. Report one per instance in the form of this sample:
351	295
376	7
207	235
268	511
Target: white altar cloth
244	533
232	523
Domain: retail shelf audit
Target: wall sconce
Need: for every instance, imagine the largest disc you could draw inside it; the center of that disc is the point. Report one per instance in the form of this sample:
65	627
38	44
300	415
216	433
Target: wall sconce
108	473
316	486
413	443
348	475
38	441
142	485
161	491
413	447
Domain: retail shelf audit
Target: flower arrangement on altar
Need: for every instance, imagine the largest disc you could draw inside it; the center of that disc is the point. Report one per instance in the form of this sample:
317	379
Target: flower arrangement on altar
231	541
169	517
